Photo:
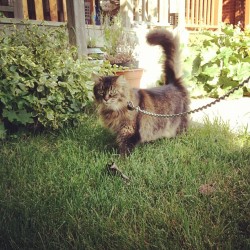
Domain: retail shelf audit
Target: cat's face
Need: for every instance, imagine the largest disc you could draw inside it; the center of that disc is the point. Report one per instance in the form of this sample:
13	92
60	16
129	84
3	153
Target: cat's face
110	91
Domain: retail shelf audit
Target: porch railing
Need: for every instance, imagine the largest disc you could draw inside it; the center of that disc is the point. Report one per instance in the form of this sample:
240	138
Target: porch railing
203	13
50	10
196	13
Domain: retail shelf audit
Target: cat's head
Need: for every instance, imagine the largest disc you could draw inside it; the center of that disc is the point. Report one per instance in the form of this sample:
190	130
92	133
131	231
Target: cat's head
111	91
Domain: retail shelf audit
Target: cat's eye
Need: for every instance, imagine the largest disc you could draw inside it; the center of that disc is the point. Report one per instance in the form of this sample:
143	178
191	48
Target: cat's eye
100	92
112	92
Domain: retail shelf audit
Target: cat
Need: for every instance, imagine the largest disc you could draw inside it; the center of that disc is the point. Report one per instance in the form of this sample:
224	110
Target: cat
112	94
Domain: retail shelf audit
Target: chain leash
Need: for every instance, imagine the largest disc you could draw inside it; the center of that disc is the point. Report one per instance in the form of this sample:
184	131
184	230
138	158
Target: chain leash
138	109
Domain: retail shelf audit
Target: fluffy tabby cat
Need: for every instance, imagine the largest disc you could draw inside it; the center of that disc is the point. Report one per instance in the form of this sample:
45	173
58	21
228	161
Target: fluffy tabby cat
112	94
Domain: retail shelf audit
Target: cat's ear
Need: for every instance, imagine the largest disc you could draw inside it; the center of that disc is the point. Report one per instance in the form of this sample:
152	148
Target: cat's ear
121	79
96	78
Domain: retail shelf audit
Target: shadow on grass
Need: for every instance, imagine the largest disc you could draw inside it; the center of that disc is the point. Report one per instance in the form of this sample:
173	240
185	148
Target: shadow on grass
92	136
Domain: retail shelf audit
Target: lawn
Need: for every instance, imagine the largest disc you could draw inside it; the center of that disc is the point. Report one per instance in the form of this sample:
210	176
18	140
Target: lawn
56	192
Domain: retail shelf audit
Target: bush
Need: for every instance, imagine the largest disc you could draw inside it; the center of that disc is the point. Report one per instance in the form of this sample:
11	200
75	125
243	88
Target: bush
41	82
216	62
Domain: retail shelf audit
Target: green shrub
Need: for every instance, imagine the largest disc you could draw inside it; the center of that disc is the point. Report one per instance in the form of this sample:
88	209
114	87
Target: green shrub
41	82
216	62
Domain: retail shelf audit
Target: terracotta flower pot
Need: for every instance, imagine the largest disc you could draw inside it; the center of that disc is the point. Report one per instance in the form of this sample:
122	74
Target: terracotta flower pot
133	76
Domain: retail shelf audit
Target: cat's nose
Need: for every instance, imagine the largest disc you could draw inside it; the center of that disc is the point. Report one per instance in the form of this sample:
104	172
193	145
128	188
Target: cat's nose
106	98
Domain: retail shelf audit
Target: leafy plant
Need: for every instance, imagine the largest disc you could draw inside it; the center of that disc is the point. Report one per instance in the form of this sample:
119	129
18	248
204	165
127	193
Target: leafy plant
41	82
218	62
91	43
119	43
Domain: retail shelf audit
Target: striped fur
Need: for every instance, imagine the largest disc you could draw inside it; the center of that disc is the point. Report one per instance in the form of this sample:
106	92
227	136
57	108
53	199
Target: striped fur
112	94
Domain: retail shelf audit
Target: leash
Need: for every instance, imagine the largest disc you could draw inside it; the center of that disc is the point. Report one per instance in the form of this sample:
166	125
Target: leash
138	109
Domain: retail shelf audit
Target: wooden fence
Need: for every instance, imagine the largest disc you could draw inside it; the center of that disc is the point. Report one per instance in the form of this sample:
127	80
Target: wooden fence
203	13
189	13
49	10
193	14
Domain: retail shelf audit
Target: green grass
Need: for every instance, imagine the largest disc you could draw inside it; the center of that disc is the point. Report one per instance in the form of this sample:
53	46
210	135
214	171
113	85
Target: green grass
56	194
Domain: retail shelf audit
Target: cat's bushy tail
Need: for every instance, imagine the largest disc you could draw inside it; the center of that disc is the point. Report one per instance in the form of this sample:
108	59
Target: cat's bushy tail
170	44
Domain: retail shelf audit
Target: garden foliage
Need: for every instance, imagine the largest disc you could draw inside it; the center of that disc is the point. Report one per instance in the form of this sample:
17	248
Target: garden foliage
119	42
41	81
216	62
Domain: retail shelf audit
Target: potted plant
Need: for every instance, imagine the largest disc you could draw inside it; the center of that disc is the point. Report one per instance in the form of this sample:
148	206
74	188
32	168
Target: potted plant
120	49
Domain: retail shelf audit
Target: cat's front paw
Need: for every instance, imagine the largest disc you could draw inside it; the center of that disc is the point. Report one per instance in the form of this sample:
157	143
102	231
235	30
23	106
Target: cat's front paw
127	144
124	151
